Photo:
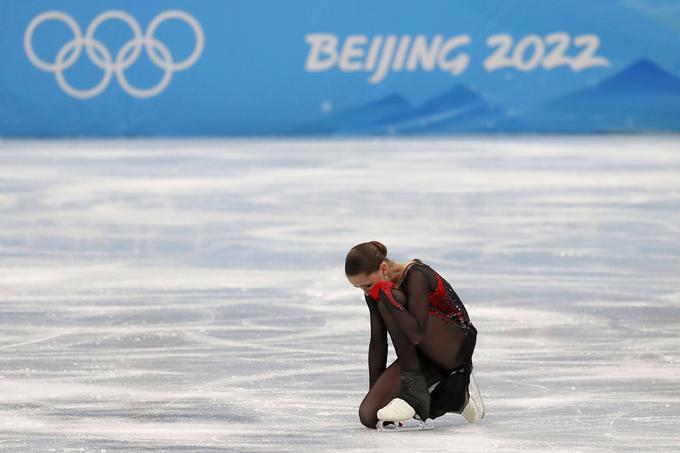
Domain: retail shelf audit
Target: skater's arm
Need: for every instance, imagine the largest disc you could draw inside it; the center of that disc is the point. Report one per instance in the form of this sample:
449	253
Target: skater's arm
377	347
413	319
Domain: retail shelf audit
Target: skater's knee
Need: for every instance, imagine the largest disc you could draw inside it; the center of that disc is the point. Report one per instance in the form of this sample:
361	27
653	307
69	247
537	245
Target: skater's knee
368	422
367	417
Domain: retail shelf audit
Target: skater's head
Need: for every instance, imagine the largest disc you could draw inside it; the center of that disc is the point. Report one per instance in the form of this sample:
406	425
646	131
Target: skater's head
366	264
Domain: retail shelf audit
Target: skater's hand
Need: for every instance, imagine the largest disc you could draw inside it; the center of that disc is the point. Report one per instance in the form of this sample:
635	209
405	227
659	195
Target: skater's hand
384	291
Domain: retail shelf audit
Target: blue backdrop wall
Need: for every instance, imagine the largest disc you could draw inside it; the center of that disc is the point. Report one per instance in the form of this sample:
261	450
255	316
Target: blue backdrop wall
304	67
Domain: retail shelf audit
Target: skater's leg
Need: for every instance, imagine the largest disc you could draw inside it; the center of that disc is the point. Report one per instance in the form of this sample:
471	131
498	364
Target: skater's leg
387	387
441	342
382	392
449	347
405	349
413	398
451	394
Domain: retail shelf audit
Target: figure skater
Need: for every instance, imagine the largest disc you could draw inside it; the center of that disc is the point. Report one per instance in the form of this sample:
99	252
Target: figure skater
432	336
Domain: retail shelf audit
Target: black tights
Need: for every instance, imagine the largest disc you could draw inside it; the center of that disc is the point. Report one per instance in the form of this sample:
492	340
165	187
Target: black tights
443	348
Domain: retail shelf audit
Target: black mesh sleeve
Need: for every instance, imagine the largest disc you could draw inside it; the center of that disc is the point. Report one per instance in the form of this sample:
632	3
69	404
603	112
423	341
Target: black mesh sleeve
377	347
410	314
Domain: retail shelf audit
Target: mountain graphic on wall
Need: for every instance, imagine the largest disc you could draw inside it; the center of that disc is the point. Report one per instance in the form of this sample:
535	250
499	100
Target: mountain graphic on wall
458	109
642	97
356	120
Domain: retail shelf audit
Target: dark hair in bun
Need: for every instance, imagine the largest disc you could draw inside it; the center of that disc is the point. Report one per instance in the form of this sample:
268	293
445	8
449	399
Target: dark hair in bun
365	258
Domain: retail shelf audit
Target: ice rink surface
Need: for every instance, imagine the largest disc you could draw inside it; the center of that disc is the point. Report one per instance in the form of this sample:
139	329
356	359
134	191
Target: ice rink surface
190	295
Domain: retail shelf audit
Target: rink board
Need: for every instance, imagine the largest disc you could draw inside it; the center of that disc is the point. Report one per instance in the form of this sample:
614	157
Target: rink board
211	67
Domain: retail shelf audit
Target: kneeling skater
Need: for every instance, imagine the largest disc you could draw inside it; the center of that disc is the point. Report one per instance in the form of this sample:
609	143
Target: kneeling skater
432	337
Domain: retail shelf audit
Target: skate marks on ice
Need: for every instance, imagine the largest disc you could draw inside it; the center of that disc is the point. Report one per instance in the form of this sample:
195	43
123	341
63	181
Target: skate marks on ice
189	295
211	374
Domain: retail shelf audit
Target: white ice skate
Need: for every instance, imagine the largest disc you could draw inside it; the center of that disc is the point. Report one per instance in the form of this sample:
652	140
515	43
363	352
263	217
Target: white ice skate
396	410
474	409
398	415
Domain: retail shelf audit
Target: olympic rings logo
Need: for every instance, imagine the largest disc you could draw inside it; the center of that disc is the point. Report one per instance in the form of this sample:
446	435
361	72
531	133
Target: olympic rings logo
100	55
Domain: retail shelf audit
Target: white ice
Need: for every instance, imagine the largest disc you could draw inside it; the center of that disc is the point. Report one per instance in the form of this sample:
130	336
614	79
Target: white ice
190	295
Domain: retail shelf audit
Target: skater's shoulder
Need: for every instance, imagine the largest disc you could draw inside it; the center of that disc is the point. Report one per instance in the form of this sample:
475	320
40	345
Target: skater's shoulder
417	263
407	270
423	273
414	263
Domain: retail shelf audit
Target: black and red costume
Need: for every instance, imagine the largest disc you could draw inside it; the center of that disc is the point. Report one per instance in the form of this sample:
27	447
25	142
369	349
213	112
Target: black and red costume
422	292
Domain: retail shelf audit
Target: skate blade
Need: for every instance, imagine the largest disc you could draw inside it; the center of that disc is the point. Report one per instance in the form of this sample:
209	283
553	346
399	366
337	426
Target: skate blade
474	410
478	397
403	426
